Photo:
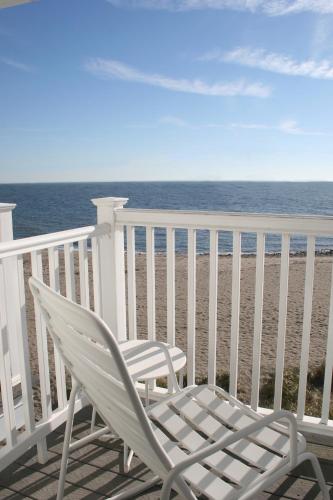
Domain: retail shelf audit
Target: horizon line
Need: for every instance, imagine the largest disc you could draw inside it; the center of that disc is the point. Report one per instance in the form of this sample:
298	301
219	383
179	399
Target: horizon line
170	181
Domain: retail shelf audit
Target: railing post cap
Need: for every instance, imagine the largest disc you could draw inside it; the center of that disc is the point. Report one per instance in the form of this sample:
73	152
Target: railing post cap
111	202
7	207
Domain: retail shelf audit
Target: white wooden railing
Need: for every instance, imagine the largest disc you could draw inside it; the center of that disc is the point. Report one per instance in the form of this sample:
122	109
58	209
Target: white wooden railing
236	223
103	269
39	256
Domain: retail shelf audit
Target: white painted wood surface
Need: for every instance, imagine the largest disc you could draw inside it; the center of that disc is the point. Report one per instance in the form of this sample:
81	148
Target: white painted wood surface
235	309
53	256
171	297
34	243
191	305
131	283
24	355
328	363
84	274
242	222
96	275
282	324
43	360
42	350
261	224
112	266
5	367
307	316
10	274
258	311
20	412
69	271
150	256
212	319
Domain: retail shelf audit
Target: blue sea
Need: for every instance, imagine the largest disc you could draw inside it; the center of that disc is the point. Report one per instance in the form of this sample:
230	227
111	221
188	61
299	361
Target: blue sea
45	208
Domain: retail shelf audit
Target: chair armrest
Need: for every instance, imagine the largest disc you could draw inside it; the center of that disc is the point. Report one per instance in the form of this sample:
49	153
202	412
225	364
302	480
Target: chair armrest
228	440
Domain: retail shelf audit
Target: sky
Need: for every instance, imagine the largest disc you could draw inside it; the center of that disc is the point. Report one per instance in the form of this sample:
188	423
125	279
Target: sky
117	90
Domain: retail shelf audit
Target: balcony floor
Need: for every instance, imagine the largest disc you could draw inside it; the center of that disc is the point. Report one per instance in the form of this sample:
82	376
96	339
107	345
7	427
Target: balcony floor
95	472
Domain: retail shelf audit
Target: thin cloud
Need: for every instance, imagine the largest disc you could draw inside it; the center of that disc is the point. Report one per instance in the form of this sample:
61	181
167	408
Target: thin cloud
173	120
268	7
322	40
273	62
16	64
290	127
111	69
176	122
252	126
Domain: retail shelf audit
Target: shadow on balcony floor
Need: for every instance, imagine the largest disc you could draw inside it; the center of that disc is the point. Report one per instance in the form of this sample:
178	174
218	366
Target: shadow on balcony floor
95	472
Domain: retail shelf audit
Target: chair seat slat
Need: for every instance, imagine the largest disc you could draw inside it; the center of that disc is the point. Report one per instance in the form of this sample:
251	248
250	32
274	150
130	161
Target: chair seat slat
221	462
197	475
212	427
236	418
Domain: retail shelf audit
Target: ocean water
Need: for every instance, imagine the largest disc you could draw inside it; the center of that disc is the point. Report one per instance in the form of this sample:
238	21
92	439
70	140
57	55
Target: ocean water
45	208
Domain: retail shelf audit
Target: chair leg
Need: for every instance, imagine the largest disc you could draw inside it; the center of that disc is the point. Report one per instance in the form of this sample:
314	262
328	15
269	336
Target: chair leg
319	474
147	392
317	470
133	492
181	378
67	440
180	486
128	455
93	420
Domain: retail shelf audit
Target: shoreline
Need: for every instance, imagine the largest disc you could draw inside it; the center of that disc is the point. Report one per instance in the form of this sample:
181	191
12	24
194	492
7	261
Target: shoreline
297	253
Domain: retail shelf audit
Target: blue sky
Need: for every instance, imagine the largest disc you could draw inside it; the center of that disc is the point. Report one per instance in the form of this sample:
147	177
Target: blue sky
97	90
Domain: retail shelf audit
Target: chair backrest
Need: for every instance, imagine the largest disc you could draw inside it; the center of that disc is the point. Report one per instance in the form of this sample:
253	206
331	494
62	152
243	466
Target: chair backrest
91	354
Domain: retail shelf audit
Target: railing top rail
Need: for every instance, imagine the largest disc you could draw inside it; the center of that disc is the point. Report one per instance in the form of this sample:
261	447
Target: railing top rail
6	207
245	222
40	242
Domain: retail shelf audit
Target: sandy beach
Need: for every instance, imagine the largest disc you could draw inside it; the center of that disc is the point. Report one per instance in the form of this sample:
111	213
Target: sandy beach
270	311
323	267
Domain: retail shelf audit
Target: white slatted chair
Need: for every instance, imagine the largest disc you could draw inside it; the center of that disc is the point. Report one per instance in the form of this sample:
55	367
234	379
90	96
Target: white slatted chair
197	441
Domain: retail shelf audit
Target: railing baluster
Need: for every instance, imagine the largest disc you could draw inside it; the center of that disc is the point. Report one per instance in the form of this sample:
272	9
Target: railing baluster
171	318
328	363
23	346
150	283
84	274
43	361
307	314
5	366
131	283
235	303
53	255
212	321
258	309
69	271
96	275
282	322
191	305
171	286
